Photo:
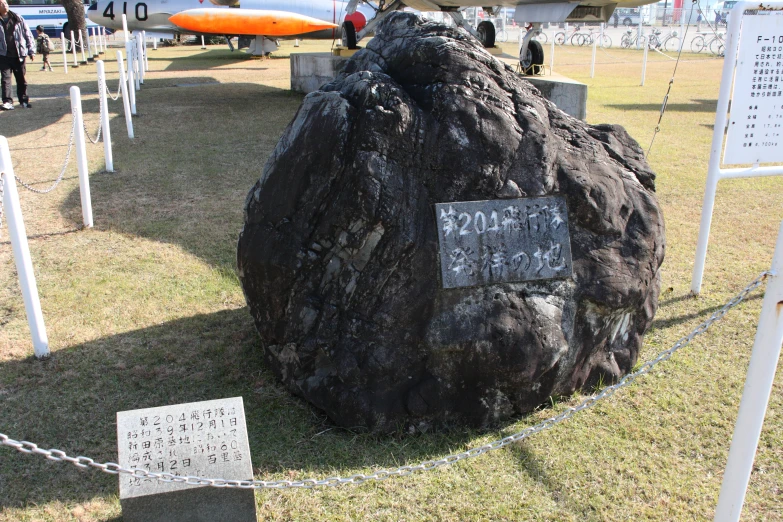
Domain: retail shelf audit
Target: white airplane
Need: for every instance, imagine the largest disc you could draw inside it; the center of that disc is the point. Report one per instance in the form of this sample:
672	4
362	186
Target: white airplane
531	13
350	21
266	20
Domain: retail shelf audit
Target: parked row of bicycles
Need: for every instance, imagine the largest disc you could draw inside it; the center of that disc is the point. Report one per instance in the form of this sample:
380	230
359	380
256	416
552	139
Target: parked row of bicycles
631	39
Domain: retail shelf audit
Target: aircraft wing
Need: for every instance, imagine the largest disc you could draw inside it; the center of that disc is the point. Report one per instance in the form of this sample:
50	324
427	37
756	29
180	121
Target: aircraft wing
539	10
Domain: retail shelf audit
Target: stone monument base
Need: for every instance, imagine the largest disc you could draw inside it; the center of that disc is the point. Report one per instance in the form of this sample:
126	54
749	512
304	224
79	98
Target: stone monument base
203	504
311	70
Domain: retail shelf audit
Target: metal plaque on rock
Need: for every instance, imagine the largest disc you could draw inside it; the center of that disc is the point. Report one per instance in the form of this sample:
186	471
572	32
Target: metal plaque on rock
503	241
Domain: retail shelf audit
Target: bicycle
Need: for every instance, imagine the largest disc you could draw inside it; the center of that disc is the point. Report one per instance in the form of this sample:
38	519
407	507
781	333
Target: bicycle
540	36
501	36
714	44
632	38
670	42
592	35
560	38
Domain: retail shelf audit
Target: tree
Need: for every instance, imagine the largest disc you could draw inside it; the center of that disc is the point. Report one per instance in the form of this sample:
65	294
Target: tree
76	19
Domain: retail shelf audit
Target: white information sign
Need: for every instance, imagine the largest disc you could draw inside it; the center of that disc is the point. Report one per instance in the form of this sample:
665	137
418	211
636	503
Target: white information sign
756	120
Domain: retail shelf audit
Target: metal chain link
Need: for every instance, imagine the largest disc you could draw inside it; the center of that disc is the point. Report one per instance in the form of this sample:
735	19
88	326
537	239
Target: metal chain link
119	91
383	474
87	133
62	171
108	91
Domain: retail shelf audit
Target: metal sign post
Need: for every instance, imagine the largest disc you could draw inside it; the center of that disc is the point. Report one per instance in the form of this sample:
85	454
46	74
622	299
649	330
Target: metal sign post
755	396
754	130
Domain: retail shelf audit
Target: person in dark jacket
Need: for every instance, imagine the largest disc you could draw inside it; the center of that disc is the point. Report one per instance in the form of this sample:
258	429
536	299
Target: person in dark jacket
16	45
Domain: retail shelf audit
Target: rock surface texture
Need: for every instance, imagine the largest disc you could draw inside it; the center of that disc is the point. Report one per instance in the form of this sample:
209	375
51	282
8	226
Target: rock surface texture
339	256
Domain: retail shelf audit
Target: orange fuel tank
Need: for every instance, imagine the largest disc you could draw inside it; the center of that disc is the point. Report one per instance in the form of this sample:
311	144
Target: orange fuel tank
247	22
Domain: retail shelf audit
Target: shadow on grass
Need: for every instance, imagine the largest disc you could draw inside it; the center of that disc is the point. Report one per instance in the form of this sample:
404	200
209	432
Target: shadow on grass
704	313
208	59
69	402
692	106
51	104
530	463
183	180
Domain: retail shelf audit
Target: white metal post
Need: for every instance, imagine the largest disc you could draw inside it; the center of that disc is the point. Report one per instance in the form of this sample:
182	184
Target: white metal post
81	44
639	35
755	396
155	44
73	49
90	55
102	88
81	156
713	170
592	60
94	42
140	56
131	82
24	264
125	32
125	100
203	45
551	54
103	38
144	50
134	60
65	56
601	36
644	64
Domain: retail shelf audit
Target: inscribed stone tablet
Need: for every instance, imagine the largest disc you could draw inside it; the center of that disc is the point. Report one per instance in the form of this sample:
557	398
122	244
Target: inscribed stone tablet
206	439
503	241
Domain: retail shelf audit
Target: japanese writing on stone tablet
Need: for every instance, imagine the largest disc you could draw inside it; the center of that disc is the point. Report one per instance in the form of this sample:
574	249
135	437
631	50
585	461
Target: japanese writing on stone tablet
756	118
207	439
507	240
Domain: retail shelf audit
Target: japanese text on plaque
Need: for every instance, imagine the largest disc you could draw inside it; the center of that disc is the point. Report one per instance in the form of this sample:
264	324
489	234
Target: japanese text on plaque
509	240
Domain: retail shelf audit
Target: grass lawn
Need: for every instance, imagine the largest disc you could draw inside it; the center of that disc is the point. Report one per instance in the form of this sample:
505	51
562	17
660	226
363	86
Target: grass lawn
145	310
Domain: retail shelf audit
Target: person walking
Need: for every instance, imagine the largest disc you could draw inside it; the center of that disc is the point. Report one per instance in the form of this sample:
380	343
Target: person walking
43	46
16	45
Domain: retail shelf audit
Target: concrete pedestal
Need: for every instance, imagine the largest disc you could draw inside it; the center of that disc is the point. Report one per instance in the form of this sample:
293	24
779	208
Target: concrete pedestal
311	70
570	96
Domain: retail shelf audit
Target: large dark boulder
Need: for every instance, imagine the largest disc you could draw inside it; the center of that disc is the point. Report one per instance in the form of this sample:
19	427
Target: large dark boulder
339	261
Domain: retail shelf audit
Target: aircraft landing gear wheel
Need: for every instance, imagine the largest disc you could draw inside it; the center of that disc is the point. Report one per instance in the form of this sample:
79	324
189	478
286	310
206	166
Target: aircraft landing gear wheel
349	35
486	31
533	61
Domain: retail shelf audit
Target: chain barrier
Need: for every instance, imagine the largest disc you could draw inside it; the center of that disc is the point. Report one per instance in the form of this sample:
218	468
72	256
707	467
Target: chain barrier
62	171
383	474
97	135
671	81
108	91
119	91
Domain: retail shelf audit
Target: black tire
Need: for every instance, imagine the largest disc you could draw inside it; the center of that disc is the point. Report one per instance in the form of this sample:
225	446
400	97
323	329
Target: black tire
533	61
627	22
67	35
560	38
486	31
349	35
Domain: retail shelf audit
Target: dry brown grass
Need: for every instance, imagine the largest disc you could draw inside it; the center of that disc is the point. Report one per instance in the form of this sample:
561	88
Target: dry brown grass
145	310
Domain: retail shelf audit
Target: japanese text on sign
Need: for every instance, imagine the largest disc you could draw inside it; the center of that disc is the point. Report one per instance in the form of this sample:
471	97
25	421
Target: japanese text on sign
199	439
756	119
509	240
